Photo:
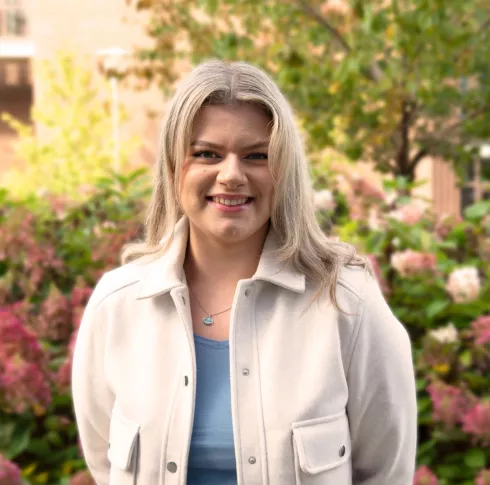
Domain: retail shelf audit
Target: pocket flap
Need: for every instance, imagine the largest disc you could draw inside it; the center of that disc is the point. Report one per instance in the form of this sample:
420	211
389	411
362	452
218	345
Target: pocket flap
123	438
323	443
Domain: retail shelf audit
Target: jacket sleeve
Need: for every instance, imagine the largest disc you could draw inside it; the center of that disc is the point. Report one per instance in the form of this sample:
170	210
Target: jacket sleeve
382	404
92	398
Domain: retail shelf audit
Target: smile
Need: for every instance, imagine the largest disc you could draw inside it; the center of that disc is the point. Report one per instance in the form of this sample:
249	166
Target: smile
230	202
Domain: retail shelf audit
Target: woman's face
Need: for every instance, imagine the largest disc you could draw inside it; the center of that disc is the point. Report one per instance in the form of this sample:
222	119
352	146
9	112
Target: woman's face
227	187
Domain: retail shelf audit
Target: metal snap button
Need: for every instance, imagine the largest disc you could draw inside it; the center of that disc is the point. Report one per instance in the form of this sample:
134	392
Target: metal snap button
172	467
247	292
252	460
245	372
342	451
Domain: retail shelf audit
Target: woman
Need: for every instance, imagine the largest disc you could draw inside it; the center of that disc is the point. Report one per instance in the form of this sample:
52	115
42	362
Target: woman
237	344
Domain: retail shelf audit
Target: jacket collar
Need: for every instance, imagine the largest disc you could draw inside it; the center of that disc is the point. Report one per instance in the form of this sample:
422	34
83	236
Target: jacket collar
166	272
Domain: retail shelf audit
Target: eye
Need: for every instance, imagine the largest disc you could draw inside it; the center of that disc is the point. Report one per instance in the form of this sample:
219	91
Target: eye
205	154
257	156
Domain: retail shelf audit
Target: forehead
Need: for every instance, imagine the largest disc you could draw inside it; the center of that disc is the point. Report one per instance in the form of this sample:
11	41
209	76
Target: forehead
231	123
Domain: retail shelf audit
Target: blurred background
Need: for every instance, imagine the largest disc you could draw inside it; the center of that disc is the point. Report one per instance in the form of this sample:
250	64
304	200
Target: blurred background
393	100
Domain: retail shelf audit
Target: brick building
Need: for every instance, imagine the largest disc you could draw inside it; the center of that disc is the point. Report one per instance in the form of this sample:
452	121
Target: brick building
32	31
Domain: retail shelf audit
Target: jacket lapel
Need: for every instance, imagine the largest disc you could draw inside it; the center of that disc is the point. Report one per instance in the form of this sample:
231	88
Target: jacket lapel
166	272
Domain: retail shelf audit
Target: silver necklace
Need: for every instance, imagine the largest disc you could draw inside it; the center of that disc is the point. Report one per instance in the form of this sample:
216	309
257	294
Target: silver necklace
207	320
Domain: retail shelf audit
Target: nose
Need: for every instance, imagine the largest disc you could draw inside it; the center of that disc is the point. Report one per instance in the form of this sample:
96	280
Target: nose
231	172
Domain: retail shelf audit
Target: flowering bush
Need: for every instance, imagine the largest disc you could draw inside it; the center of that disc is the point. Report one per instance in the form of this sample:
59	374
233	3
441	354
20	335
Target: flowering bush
434	271
51	254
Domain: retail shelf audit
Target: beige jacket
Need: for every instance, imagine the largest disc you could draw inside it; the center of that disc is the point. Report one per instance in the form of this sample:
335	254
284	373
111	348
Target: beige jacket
318	397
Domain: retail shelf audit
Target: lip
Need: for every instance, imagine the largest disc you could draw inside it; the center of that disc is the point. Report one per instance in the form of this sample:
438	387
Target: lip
230	208
231	196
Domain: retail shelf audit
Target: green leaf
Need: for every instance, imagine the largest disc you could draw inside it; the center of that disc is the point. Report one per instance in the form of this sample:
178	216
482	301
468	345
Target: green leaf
436	307
421	383
475	458
19	440
423	404
448	471
465	358
478	210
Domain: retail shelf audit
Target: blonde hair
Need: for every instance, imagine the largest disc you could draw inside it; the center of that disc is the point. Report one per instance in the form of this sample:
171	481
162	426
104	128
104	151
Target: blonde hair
302	242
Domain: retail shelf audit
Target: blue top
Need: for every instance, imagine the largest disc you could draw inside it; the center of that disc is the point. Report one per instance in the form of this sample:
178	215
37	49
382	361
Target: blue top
212	451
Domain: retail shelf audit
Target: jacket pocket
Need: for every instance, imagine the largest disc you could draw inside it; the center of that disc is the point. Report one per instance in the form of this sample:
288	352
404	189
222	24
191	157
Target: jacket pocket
123	450
322	451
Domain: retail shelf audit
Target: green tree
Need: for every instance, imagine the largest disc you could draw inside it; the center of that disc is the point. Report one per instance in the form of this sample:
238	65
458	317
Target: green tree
70	144
389	82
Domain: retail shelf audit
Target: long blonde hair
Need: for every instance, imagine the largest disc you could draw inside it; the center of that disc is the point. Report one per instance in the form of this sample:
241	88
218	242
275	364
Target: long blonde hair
302	242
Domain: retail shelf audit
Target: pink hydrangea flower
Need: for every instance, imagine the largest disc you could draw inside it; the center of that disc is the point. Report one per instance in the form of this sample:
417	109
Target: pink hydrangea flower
410	262
481	330
9	472
464	284
15	338
483	478
449	403
55	319
366	190
80	295
425	476
64	372
477	422
408	214
24	385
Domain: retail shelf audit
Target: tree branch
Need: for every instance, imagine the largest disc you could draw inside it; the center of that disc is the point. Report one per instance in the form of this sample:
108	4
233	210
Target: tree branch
312	12
417	157
470	116
373	71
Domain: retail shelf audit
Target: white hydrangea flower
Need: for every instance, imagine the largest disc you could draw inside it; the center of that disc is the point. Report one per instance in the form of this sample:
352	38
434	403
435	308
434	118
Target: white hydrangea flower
445	335
324	200
464	284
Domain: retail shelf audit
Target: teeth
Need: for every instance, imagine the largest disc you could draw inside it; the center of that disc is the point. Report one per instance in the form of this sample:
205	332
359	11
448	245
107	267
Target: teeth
219	200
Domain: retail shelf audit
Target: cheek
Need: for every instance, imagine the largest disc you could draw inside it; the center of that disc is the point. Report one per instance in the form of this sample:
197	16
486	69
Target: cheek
267	184
194	184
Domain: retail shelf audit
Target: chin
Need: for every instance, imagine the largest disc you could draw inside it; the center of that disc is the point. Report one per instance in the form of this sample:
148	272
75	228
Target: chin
232	233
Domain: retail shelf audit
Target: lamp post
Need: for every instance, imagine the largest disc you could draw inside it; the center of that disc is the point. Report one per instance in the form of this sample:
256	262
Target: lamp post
113	63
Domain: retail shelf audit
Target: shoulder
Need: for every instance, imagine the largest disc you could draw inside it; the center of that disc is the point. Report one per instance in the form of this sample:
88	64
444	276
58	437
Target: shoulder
355	285
366	320
116	280
360	291
354	279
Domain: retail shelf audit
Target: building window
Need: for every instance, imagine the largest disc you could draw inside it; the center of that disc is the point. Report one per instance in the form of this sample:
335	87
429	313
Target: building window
477	185
12	19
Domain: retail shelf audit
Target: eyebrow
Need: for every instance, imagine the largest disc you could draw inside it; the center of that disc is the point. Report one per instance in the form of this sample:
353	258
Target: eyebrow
260	144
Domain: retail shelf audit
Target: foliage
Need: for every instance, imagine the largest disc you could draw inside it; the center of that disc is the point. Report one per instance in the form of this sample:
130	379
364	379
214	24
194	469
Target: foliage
51	255
435	273
389	82
70	144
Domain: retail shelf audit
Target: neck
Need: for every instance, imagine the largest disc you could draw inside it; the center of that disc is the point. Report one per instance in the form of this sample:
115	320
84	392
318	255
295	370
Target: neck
208	259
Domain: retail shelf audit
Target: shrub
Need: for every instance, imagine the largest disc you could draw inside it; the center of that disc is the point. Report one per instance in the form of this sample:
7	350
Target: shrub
52	252
435	273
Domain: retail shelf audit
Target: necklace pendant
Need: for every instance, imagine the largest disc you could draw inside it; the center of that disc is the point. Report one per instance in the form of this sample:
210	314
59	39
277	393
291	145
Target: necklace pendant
208	320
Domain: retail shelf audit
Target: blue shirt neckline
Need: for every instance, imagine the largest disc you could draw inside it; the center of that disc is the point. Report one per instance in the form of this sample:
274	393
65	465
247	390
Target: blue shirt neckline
217	344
